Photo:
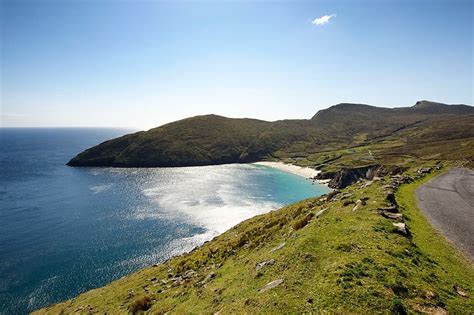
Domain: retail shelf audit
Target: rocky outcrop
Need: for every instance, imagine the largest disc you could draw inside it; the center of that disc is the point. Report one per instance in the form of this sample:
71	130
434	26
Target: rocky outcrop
348	176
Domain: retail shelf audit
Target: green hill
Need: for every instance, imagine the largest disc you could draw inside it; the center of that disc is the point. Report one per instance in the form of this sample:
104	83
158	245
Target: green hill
212	139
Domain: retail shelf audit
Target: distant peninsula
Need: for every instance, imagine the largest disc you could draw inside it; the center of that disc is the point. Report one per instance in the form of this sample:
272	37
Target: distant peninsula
212	139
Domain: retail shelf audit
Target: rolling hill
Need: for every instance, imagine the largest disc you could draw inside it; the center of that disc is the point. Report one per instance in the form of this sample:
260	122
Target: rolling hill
212	139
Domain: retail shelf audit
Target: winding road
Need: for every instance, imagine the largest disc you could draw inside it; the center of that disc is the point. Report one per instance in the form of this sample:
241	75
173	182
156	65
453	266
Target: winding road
448	202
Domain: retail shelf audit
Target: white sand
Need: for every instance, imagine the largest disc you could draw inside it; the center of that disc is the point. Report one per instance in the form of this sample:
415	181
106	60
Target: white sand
298	170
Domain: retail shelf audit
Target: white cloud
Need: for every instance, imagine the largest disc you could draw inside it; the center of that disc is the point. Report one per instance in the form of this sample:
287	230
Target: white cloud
323	19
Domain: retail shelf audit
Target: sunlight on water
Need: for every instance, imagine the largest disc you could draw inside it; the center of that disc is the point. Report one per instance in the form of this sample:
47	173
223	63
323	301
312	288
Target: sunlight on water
66	230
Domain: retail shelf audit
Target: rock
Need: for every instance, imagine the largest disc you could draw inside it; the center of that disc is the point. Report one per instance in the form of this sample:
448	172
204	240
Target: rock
347	202
460	291
393	216
262	264
348	176
152	279
177	280
424	170
271	285
392	209
278	247
189	274
391	198
320	212
208	278
367	184
401	228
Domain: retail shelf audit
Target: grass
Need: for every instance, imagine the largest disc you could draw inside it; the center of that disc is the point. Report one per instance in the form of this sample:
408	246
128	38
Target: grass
343	261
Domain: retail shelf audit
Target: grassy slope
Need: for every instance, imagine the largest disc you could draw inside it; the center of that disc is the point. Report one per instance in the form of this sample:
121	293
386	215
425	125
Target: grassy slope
348	261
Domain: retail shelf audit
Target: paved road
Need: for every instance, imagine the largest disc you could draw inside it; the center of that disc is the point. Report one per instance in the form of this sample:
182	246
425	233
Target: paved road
448	202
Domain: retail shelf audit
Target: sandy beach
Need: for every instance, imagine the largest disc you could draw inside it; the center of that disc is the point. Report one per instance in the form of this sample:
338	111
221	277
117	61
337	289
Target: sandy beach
298	170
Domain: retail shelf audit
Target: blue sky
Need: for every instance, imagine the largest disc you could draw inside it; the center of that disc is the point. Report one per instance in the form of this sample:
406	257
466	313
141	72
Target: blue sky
145	63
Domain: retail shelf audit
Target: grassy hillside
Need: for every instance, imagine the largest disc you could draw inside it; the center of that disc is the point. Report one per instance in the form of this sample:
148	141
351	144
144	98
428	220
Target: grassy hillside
211	139
335	253
338	253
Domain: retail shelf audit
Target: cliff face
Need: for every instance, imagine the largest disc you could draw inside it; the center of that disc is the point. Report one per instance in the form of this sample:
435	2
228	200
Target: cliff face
212	139
348	176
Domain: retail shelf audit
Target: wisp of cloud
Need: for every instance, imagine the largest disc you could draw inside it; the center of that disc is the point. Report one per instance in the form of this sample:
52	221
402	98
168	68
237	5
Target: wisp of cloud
323	19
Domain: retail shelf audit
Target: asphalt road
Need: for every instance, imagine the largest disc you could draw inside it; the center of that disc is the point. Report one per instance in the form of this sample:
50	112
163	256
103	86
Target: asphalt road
448	202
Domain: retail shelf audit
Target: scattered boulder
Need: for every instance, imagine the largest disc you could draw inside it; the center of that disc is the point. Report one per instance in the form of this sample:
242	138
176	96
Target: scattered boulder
460	291
320	212
424	170
189	274
367	184
392	209
271	285
390	197
347	202
401	228
358	202
393	216
208	278
280	246
262	264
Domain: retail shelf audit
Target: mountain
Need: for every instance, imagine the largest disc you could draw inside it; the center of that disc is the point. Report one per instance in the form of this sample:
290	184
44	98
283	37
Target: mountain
212	139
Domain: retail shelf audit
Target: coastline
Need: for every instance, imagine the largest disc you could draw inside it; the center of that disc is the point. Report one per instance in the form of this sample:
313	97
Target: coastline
307	172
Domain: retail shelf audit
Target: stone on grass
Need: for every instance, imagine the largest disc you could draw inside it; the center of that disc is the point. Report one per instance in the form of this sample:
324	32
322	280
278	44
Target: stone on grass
278	247
460	291
271	285
401	228
262	264
393	216
208	278
320	212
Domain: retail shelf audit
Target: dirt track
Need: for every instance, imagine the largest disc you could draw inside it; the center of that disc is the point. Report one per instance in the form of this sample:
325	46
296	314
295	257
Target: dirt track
448	202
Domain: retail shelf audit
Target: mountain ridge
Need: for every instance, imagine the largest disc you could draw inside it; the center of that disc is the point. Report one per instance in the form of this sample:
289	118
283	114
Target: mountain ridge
214	139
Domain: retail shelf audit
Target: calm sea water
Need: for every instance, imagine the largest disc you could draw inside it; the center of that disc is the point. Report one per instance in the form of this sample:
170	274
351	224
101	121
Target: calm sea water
66	230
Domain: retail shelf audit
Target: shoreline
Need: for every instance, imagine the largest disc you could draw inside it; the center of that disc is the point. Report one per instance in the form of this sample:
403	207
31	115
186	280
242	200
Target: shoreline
306	172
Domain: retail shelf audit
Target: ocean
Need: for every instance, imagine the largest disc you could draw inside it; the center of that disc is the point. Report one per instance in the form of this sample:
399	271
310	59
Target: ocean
66	230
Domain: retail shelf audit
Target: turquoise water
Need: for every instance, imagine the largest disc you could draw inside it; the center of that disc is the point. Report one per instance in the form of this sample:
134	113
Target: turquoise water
66	230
